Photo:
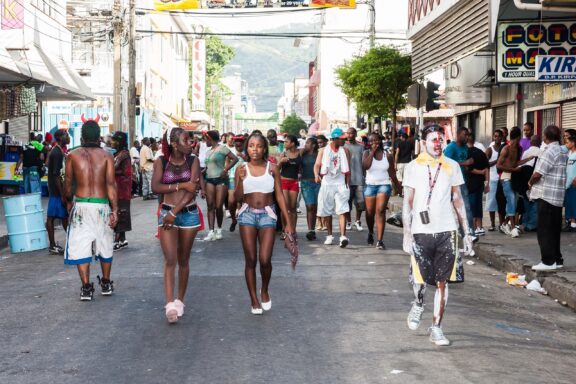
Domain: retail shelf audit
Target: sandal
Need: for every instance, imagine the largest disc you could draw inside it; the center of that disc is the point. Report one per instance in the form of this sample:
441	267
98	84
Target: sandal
171	312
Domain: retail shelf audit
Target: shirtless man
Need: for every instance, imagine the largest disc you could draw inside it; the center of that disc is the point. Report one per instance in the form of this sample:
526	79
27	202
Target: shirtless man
94	212
508	163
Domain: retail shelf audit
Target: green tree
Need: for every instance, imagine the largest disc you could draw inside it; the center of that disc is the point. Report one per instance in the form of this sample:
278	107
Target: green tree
377	81
218	55
292	125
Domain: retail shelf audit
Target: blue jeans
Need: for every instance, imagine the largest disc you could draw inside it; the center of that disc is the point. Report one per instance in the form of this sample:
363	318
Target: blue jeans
530	216
511	198
31	180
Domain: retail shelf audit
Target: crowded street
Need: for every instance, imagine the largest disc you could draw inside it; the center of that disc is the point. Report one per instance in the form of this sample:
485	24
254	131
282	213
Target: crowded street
287	191
339	318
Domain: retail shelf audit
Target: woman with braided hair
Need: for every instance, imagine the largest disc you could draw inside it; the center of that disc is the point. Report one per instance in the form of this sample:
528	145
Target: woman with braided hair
176	178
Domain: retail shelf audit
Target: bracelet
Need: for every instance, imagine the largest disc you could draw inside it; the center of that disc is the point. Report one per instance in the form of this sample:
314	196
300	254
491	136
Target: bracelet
169	186
171	213
177	186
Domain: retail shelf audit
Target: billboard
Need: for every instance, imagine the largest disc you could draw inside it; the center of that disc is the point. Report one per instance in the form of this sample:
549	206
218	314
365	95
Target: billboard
198	75
520	43
12	12
556	68
171	5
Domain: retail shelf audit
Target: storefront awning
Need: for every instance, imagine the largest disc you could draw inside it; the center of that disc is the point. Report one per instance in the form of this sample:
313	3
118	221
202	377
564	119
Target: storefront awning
166	121
55	79
199	116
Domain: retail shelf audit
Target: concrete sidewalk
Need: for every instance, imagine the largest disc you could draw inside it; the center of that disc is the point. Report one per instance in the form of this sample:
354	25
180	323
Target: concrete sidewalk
518	255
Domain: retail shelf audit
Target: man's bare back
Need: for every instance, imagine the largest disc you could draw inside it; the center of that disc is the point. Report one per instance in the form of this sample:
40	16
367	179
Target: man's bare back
92	171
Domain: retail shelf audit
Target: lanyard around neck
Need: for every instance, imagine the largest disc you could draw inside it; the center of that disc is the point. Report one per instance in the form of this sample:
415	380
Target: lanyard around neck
432	183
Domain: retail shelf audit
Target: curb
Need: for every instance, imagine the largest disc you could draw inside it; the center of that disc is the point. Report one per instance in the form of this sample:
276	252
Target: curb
558	287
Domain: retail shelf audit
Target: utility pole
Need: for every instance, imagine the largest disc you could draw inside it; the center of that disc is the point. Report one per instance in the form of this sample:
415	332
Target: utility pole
117	99
372	6
131	72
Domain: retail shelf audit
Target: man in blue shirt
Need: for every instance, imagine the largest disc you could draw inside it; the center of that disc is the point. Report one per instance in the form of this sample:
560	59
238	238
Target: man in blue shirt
457	150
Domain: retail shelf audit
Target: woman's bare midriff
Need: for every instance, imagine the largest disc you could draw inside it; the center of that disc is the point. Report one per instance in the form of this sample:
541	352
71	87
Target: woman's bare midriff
259	200
174	197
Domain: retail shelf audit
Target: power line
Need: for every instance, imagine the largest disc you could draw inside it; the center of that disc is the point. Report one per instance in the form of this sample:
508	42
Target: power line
314	35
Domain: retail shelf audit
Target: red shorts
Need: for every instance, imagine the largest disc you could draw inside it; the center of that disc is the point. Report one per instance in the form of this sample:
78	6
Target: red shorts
290	185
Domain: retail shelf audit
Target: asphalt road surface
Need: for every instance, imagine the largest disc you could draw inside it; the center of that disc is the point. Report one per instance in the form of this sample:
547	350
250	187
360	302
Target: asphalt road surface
340	318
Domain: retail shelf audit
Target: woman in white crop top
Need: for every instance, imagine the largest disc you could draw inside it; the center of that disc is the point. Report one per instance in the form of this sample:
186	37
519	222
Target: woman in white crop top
379	167
257	185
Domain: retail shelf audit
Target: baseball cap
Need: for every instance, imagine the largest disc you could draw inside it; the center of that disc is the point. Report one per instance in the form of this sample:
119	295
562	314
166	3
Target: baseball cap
337	133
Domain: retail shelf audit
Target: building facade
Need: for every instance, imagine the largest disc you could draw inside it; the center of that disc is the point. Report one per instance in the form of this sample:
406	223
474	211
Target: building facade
491	75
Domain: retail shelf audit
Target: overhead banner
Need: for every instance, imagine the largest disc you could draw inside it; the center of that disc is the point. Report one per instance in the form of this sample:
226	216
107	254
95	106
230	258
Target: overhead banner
198	75
12	12
556	68
520	43
172	5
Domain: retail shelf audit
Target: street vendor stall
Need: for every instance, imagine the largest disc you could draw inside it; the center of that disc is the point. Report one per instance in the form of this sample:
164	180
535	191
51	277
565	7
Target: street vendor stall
10	183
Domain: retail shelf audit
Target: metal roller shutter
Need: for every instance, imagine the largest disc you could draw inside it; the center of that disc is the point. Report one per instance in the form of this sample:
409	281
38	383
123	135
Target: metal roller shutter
465	31
500	117
569	115
549	117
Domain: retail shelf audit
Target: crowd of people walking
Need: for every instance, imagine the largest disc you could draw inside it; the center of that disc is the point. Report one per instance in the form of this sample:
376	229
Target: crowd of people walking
258	180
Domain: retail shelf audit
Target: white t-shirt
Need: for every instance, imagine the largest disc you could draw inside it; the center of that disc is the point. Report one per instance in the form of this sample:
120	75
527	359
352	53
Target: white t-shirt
532	151
441	211
134	154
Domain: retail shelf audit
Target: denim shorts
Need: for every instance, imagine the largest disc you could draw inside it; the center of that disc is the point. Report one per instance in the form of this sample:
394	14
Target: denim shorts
310	192
511	198
217	181
257	217
185	220
373	190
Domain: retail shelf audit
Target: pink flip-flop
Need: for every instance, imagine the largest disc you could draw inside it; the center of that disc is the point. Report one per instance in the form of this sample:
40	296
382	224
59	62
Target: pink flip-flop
171	312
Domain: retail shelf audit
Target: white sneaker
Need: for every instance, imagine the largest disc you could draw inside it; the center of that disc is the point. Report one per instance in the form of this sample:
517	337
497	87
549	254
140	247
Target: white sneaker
228	214
348	226
211	236
415	316
515	233
329	240
437	336
506	229
358	226
543	267
480	232
344	241
218	234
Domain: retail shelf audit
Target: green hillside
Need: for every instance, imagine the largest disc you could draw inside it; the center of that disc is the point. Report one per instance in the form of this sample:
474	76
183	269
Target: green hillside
267	63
